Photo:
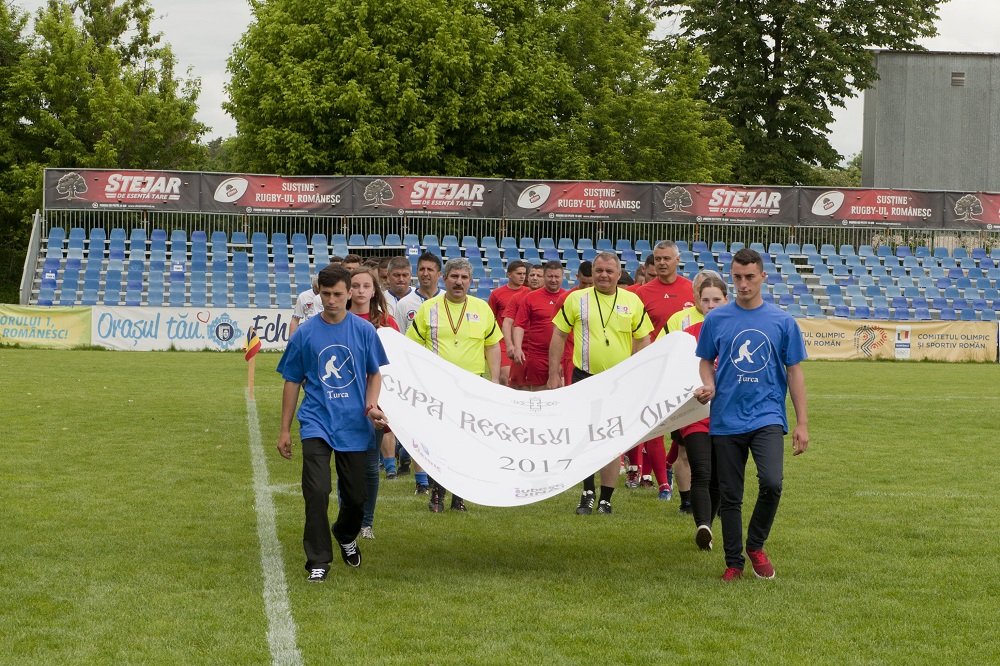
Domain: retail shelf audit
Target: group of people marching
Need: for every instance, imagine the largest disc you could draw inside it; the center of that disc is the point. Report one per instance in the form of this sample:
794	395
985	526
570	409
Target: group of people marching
532	334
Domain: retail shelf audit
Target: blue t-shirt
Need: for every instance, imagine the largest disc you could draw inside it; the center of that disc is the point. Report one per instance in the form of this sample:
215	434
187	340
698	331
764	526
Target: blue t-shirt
753	348
335	361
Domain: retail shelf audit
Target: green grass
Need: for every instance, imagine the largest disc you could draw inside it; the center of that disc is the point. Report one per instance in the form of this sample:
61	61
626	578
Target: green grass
129	536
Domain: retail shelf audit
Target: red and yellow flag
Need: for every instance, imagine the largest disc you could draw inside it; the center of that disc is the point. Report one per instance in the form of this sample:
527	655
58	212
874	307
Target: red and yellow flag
252	345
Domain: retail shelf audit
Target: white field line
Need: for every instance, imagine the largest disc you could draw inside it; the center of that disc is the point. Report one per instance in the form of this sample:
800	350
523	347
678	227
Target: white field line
280	624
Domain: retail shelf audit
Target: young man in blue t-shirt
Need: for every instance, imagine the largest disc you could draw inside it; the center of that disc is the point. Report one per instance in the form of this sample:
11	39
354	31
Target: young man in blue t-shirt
335	357
759	349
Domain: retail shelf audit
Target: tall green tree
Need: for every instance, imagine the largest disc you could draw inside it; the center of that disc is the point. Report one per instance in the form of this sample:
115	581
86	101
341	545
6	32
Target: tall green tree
778	66
516	88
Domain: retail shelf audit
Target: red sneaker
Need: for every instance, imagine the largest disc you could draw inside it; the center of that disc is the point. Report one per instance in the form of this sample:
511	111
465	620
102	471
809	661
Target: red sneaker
762	566
732	574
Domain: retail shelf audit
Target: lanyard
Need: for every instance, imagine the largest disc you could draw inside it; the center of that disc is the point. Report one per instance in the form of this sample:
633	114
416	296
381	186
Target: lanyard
461	318
600	314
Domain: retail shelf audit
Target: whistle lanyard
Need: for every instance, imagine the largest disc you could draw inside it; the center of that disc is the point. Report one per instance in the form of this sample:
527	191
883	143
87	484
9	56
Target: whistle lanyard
600	314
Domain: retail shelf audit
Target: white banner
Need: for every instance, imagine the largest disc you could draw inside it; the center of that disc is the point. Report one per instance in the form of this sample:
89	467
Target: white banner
496	446
155	329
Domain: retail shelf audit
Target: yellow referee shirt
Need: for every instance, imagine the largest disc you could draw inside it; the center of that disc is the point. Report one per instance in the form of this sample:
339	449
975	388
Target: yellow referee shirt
458	333
603	327
681	320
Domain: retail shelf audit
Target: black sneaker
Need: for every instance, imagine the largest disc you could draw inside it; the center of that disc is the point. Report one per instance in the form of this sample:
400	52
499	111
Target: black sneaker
317	575
457	504
686	508
604	506
703	537
404	469
390	476
421	489
586	506
436	505
351	554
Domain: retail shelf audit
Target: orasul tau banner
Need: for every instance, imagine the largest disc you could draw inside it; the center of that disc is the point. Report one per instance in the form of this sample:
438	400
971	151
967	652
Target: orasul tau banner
496	446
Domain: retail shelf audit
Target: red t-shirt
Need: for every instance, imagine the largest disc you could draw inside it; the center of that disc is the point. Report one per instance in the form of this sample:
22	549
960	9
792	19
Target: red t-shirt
388	320
499	298
697	426
535	312
663	300
510	310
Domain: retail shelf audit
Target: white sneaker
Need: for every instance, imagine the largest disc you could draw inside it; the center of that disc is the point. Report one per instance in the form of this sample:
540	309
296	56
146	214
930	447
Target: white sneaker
366	532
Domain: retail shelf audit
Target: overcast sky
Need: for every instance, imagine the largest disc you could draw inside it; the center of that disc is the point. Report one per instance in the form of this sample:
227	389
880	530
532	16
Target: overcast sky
202	33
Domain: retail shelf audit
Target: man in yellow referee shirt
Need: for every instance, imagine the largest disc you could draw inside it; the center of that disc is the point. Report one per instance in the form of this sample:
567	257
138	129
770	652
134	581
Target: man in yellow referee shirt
463	330
608	325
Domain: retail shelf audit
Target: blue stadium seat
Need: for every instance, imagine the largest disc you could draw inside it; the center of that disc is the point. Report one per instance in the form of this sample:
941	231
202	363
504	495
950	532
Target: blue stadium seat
623	244
862	312
605	245
901	314
881	313
841	311
642	245
988	315
508	242
948	314
815	311
968	314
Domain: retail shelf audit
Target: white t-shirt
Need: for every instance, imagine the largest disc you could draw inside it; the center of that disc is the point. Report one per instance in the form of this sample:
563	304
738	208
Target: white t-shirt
407	308
390	298
306	305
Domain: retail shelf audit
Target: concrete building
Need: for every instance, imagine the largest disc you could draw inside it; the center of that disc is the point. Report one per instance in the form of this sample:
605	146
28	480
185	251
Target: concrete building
932	121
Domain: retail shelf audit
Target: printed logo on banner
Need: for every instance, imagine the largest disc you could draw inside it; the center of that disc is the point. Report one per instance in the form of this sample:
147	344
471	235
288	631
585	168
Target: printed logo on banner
676	199
536	404
903	342
378	192
969	209
72	185
225	332
869	338
534	196
336	368
828	203
750	351
231	189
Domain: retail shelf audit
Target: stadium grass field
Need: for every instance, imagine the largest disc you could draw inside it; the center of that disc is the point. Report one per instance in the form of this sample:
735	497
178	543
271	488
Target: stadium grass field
130	537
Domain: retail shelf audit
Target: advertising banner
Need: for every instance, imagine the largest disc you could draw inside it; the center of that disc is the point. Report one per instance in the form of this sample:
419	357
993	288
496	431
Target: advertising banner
870	208
497	446
725	204
577	200
288	195
428	196
852	339
52	327
157	329
106	189
971	210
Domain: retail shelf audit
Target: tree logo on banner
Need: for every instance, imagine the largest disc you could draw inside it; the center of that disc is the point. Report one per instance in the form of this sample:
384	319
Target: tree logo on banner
72	185
869	338
677	199
378	192
968	208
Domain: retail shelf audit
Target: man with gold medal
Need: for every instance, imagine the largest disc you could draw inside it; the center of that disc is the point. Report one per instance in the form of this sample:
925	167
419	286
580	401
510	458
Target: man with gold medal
608	325
463	330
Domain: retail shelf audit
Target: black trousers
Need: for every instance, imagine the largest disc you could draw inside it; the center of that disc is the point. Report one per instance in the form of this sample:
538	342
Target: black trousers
767	447
704	478
316	488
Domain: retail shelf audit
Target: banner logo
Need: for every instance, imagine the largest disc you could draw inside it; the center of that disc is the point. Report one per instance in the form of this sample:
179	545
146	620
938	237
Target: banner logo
225	332
828	203
231	189
869	338
378	192
534	196
72	185
969	208
677	199
903	342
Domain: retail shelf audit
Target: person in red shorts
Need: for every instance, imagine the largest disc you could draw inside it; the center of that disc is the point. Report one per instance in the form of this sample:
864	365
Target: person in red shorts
712	292
663	295
517	271
532	332
534	281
